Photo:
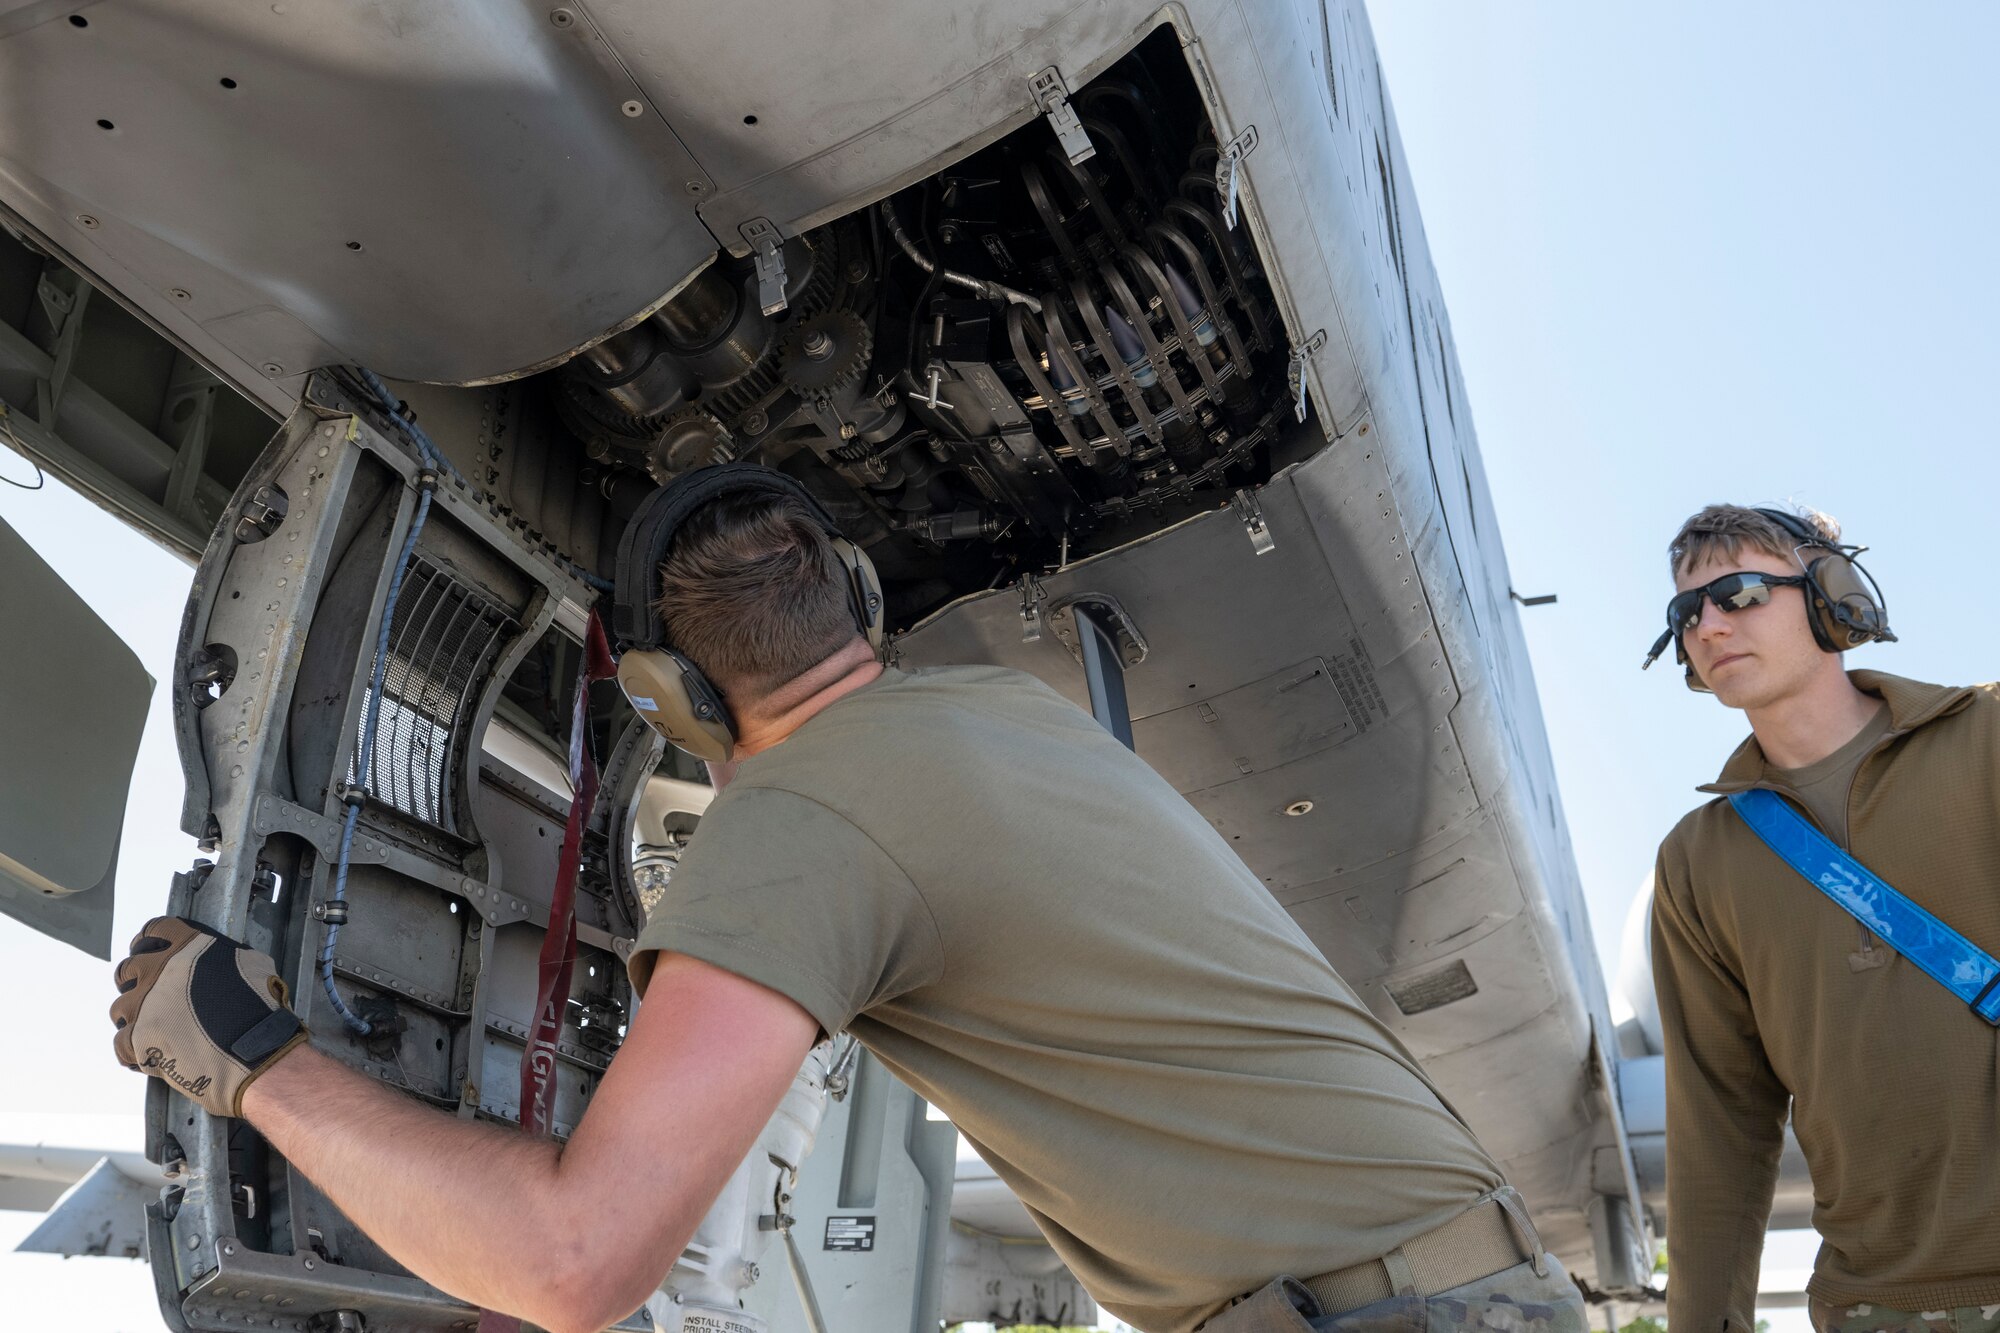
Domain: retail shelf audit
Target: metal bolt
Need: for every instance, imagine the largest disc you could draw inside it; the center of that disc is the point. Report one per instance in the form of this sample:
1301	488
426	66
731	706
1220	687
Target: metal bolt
181	294
753	423
634	108
272	368
88	222
562	18
818	345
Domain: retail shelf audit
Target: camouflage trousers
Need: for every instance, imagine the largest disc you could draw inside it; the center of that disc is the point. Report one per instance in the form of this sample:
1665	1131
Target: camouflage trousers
1880	1319
1514	1300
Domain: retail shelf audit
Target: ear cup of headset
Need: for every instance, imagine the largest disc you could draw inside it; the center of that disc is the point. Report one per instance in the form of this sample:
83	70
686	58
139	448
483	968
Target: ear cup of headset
1844	612
665	688
675	700
865	589
1843	607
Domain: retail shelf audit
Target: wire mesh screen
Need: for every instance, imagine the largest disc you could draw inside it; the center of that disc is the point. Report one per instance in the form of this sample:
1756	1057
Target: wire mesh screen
440	643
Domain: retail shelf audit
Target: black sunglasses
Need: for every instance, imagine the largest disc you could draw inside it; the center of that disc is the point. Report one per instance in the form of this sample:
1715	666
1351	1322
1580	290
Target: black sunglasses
1731	592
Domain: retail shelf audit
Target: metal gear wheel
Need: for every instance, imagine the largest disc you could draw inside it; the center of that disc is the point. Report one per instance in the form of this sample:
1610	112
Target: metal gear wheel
825	353
688	439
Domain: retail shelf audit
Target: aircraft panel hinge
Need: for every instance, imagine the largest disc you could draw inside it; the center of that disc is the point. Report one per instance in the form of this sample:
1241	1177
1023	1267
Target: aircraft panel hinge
1295	371
769	248
1251	510
1052	98
1226	164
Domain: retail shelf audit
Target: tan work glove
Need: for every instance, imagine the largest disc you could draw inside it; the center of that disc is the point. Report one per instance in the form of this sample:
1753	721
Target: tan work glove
201	1011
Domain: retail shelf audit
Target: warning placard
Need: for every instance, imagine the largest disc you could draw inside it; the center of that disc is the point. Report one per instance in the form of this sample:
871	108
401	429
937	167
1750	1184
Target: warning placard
714	1321
850	1233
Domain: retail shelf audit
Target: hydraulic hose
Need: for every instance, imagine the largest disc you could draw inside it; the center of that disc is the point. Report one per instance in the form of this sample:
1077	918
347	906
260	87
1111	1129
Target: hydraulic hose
992	291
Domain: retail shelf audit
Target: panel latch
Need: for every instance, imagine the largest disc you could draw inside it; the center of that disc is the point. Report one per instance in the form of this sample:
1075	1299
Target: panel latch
1226	164
1251	510
769	248
1032	597
1295	371
1052	97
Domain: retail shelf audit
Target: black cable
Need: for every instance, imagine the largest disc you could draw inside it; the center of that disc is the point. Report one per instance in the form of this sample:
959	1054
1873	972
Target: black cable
41	478
7	432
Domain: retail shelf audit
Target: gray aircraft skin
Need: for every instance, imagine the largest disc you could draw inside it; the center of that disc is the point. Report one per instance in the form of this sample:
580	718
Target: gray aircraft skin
1075	314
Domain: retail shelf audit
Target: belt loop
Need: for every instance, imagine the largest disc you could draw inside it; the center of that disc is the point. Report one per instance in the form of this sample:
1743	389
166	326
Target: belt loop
1400	1278
1510	1203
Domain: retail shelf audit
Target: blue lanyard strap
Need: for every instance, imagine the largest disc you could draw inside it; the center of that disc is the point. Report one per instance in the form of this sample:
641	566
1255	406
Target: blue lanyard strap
1953	961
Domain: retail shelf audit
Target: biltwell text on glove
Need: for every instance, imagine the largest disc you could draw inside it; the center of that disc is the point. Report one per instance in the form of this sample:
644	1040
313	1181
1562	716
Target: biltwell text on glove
201	1011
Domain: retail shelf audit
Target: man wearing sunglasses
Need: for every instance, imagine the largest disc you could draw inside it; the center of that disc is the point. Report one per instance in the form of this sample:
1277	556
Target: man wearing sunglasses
1773	997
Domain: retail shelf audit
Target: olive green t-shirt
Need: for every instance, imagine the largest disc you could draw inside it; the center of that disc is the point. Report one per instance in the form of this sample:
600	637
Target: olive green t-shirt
1034	931
1824	785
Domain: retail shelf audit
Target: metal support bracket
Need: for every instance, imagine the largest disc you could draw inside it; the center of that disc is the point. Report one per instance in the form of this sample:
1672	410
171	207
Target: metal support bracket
192	393
1295	371
1100	635
769	247
1227	163
65	311
1052	99
1251	510
1124	631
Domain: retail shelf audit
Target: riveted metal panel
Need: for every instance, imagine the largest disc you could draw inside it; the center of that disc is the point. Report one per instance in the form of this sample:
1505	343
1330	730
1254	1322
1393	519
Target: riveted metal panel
446	190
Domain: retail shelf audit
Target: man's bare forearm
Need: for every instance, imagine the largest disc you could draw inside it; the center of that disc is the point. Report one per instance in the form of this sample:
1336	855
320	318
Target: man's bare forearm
573	1238
470	1208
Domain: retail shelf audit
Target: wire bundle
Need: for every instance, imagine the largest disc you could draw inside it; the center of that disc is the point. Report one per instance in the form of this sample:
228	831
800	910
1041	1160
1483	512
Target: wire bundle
355	794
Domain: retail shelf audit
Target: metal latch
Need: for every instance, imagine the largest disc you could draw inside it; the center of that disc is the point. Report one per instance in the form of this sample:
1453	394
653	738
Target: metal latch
769	247
1052	98
1295	371
1251	510
1032	597
1226	163
262	513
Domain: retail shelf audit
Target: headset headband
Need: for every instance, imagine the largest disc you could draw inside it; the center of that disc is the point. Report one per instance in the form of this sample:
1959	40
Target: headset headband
643	547
1805	532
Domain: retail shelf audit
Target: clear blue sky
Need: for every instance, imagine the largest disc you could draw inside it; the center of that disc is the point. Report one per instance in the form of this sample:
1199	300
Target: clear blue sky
1693	252
1701	252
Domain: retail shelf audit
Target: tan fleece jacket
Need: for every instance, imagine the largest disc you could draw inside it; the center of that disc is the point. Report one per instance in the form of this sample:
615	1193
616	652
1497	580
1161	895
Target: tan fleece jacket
1769	992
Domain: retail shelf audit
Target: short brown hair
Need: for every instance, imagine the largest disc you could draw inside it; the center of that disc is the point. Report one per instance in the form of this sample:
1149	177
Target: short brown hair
754	593
1726	529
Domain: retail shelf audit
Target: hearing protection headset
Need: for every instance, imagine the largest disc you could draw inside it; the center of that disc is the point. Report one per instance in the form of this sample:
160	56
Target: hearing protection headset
667	690
1844	604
